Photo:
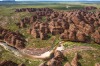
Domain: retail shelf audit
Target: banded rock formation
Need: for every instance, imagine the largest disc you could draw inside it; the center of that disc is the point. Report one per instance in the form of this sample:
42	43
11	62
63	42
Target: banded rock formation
55	61
78	25
10	63
12	38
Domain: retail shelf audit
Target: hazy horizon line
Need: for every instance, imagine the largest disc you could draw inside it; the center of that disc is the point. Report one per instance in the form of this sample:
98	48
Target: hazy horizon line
53	1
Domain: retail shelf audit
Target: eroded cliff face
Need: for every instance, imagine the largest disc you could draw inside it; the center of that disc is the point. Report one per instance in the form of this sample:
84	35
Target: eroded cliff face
14	39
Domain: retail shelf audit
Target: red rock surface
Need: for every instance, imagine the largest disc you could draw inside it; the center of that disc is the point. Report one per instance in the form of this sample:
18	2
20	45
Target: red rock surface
12	38
76	25
90	8
10	63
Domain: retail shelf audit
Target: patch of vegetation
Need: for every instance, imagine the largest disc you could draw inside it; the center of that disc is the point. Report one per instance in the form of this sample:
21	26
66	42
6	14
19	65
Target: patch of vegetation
88	57
6	55
38	43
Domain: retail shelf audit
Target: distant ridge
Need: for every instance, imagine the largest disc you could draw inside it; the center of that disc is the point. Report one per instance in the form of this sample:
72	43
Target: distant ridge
8	0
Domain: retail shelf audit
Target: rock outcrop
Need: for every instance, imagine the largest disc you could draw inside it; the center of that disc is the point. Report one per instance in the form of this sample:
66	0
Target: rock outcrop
67	64
10	63
33	10
57	60
14	39
76	25
90	8
74	61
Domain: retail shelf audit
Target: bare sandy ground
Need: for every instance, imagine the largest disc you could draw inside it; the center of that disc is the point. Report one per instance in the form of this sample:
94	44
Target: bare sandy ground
77	48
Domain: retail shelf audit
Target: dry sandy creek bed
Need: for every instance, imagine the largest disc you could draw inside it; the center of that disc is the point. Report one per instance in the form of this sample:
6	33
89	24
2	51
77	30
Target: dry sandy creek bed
42	53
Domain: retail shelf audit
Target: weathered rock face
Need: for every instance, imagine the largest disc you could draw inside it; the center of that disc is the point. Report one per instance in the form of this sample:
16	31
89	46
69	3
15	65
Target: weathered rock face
72	36
51	62
90	8
74	62
43	64
67	64
81	36
58	56
96	36
76	20
35	33
40	13
13	38
10	63
43	36
44	27
80	24
55	31
65	35
88	29
81	27
55	61
33	9
55	28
